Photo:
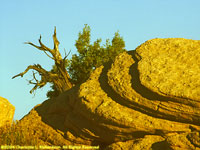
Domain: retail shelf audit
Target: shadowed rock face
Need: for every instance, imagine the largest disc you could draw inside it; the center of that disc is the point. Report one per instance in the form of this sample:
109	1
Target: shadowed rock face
7	111
146	99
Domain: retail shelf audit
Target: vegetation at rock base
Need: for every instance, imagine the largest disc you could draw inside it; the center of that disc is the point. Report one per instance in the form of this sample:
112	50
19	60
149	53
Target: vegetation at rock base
16	135
65	73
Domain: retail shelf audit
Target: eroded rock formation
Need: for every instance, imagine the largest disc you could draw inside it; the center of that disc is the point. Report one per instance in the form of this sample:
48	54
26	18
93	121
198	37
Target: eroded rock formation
148	98
7	111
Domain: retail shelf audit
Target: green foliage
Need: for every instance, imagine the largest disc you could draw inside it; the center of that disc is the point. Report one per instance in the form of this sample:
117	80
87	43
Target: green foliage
89	57
53	92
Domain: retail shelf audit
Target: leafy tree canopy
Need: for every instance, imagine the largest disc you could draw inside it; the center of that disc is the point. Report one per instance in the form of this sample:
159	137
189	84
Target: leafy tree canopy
91	56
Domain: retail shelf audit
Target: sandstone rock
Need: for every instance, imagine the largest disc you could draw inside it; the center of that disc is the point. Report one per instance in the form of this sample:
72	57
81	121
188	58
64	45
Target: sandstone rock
7	111
148	98
146	143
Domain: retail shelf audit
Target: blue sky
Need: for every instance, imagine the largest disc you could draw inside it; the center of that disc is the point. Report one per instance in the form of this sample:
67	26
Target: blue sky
136	20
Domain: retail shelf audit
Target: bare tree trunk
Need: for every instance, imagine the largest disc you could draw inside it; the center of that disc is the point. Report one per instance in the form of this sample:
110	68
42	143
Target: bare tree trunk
60	79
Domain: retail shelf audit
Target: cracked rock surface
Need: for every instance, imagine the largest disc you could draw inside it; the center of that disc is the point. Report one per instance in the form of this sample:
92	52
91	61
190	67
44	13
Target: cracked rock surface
148	98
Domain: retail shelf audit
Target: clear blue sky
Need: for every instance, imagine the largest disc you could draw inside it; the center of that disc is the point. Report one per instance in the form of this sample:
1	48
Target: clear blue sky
25	20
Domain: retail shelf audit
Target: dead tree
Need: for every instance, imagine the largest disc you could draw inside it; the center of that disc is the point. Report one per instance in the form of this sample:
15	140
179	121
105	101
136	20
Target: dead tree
60	79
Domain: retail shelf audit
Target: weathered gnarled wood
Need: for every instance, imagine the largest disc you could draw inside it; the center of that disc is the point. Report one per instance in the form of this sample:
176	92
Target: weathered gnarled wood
60	79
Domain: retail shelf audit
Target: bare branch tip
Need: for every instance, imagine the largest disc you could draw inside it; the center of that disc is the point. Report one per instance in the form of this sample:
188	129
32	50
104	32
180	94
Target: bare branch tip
55	30
26	42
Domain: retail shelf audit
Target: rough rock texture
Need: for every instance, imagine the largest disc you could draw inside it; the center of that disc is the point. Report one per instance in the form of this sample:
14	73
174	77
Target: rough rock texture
146	99
7	111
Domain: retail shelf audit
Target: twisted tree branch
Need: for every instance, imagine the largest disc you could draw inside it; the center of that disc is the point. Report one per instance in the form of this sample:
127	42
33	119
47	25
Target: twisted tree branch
60	79
67	54
45	76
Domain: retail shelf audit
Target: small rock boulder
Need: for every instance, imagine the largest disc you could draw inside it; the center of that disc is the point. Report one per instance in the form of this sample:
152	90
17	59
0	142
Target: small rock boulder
7	111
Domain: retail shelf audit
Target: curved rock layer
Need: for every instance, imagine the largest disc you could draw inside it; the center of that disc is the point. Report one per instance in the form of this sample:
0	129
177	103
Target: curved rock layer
7	111
146	99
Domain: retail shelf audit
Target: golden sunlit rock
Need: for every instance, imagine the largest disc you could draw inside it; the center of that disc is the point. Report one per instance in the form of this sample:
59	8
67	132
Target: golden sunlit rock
148	98
7	111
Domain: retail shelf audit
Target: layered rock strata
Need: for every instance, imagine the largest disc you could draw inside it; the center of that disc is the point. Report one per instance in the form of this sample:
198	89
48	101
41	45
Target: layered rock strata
148	98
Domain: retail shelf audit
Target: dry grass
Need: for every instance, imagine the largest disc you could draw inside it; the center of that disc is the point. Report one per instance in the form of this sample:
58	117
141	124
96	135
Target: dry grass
16	135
